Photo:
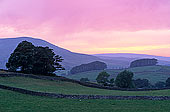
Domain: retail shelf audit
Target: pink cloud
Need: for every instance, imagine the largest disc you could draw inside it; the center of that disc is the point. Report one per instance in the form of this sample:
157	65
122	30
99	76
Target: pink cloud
59	20
68	15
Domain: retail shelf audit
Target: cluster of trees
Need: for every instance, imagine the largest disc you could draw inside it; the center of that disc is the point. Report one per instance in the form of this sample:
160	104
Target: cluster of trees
144	83
97	65
144	62
125	80
28	58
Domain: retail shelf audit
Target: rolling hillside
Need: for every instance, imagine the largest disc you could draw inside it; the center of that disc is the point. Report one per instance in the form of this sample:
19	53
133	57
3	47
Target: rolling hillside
64	87
70	58
17	102
152	73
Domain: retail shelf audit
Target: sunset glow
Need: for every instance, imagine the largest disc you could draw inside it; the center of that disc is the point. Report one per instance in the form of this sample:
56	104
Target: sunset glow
91	26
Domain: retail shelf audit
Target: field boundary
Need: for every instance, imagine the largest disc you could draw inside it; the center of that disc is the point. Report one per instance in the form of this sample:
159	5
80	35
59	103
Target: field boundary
87	84
53	95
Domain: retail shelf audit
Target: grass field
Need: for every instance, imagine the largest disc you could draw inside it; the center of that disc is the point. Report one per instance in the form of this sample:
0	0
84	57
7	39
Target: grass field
152	73
16	102
61	87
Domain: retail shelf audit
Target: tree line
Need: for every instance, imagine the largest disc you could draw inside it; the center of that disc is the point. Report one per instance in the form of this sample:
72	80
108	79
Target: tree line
125	80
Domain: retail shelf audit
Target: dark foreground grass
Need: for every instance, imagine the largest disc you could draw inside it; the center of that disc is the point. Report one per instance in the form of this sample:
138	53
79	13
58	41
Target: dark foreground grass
16	102
61	87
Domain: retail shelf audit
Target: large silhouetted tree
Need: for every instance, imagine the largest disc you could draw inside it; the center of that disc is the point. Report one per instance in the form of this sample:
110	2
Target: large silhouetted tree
28	58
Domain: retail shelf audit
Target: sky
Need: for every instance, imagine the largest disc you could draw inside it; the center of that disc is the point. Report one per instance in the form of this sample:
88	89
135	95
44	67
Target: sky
91	26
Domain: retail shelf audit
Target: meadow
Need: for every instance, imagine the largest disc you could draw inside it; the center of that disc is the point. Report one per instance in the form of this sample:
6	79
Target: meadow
17	102
61	87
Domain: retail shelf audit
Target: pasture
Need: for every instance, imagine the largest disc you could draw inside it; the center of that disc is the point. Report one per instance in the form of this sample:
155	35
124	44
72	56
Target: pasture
16	102
61	87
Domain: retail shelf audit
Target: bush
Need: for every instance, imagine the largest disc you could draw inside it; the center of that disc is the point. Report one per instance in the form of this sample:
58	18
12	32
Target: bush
124	79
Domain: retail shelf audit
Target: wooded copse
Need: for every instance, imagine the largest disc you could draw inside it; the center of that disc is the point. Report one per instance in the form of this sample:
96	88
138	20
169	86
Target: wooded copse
144	62
97	65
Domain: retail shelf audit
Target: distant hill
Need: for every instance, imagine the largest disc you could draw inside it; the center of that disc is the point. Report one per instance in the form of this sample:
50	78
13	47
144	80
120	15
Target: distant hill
71	59
126	58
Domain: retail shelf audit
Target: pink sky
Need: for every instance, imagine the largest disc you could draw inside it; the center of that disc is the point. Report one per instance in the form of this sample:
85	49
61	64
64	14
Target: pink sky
91	26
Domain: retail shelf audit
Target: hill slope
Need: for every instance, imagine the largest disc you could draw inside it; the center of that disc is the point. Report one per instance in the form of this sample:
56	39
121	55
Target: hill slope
69	88
71	59
132	55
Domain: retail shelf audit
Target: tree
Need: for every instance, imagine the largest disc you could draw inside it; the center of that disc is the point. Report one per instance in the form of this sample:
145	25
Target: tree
84	79
124	79
96	65
168	82
21	58
36	60
102	78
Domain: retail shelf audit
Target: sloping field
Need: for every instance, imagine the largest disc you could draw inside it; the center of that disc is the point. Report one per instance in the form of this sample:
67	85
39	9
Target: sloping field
152	73
61	87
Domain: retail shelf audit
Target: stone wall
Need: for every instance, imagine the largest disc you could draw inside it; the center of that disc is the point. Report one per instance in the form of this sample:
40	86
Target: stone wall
53	95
